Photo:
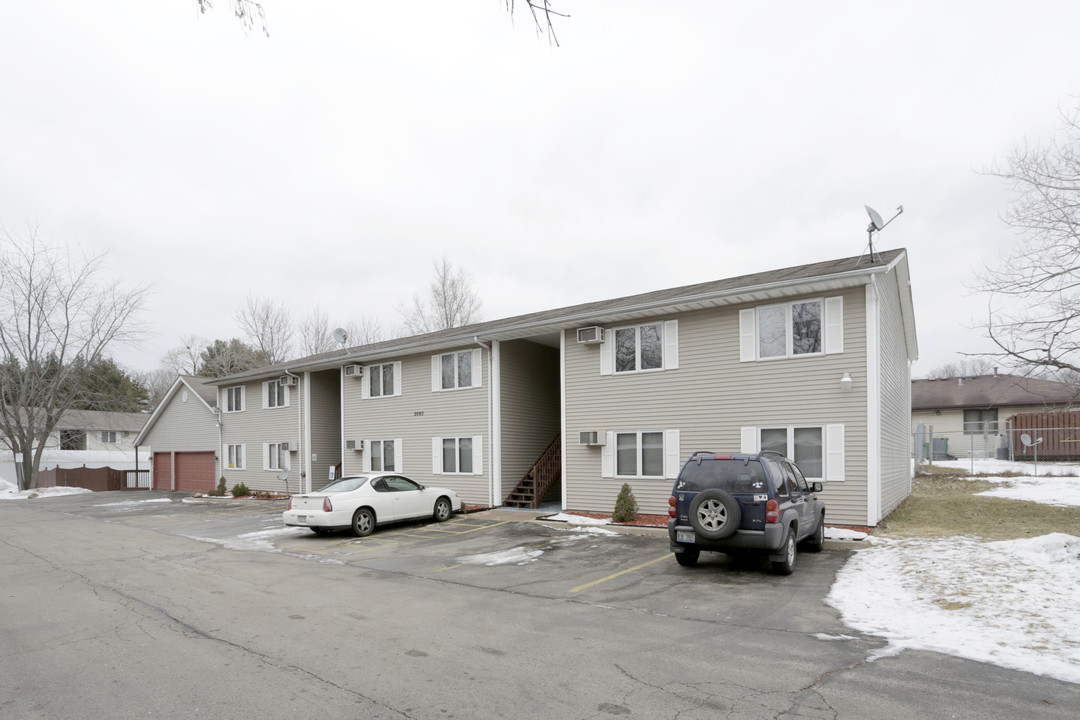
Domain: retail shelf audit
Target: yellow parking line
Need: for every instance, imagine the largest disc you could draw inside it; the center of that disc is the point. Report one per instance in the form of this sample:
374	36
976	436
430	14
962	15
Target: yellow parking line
586	586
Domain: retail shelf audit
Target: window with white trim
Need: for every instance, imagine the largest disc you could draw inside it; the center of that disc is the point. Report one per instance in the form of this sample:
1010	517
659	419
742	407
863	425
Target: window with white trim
275	394
639	454
456	370
234	457
108	436
380	379
382	456
801	328
457	455
276	456
818	450
639	348
234	399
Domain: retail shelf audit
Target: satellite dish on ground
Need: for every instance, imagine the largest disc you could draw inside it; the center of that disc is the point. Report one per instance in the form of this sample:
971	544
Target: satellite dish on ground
340	335
1026	439
283	476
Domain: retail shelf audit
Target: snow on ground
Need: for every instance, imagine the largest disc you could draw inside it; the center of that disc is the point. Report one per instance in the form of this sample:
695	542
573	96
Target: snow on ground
10	492
1058	491
1000	467
126	503
577	519
1008	602
833	533
262	540
516	556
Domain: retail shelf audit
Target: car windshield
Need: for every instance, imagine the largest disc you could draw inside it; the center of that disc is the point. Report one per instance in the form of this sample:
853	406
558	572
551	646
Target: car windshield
346	484
735	476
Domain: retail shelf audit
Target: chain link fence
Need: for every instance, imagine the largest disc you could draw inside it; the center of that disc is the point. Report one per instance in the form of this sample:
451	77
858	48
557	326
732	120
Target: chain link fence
1009	440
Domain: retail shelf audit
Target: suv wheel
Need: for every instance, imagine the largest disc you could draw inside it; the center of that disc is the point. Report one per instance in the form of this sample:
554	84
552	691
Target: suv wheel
787	565
688	557
715	514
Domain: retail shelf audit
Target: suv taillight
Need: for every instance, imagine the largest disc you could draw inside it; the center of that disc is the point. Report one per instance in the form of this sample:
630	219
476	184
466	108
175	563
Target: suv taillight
671	506
326	506
772	511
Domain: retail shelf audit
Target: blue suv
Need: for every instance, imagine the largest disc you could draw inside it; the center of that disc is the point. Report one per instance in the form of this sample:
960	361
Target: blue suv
740	504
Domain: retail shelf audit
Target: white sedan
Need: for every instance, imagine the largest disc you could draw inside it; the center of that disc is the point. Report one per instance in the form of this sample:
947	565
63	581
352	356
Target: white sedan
361	502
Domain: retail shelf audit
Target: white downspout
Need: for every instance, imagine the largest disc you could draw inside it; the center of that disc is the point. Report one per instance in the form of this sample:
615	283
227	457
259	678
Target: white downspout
299	432
490	423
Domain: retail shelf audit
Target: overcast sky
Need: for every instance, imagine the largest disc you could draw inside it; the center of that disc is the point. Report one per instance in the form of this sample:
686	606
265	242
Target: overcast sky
661	144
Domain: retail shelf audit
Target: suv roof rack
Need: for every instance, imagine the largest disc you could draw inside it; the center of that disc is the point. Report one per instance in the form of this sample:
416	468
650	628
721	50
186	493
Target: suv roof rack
773	452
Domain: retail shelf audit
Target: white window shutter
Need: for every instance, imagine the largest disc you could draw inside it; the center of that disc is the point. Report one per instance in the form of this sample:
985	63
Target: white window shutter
398	456
243	397
748	440
478	455
436	374
671	345
672	454
265	395
607	456
477	368
606	350
834	325
834	453
436	455
266	456
288	395
747	335
397	381
365	457
365	383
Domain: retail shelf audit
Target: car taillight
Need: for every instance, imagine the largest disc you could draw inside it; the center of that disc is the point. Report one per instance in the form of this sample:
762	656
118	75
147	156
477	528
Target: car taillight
721	457
290	503
772	511
326	506
671	506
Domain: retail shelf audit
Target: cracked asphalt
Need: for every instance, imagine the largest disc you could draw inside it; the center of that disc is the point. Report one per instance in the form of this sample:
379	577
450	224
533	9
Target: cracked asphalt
118	611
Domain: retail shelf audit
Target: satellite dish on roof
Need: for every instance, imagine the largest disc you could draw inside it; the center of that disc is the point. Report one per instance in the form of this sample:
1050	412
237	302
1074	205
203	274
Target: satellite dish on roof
876	225
340	335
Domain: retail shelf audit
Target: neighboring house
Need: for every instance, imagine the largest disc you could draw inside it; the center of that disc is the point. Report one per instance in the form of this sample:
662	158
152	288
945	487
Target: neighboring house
183	432
966	414
813	361
85	438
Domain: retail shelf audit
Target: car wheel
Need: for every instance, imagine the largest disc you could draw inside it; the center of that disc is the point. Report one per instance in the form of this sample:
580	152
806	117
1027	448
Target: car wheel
443	510
817	542
787	565
363	522
715	514
688	557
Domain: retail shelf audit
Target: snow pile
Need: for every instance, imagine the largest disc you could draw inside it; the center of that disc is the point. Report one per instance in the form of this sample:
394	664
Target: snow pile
10	492
1000	467
844	534
577	519
1008	602
1055	490
262	540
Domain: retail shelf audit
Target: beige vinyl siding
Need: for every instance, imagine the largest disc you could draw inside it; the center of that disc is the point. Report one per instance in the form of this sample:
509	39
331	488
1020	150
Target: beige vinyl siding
325	410
709	398
529	388
895	411
256	426
950	424
183	426
415	417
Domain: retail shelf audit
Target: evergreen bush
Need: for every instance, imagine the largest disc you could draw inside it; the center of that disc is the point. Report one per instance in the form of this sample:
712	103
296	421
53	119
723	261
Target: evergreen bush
221	489
240	490
625	506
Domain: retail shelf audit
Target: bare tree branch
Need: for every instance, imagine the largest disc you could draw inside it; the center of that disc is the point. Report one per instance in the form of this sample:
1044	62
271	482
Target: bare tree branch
184	359
248	12
451	302
268	328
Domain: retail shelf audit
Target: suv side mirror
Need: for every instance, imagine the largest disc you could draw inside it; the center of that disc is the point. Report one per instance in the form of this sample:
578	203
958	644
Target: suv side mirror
817	487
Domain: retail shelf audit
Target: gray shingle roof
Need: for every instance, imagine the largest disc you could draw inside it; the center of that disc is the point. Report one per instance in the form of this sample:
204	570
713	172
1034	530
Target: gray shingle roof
986	391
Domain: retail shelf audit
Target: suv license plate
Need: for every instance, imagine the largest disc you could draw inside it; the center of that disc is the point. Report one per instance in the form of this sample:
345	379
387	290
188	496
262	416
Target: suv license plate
685	536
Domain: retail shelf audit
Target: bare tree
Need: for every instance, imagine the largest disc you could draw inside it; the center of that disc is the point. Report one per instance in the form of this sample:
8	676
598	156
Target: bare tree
968	367
184	358
268	328
248	12
451	302
157	383
364	331
315	334
58	319
1034	294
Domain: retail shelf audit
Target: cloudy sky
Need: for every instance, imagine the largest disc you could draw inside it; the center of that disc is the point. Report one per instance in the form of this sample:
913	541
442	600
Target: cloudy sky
660	144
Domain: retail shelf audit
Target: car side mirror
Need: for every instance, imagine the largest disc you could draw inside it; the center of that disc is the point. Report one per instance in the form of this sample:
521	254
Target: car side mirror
817	487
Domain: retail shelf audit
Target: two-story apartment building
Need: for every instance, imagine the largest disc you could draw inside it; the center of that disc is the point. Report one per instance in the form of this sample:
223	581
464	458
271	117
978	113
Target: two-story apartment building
812	361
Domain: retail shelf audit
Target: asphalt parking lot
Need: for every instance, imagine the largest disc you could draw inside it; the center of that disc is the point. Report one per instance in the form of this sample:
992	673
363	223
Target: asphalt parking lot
160	605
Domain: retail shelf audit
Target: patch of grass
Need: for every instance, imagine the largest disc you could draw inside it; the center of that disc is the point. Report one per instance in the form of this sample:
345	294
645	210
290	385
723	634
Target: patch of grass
944	505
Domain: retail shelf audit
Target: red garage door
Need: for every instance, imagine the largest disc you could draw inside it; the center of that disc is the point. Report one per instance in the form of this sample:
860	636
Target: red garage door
195	472
163	471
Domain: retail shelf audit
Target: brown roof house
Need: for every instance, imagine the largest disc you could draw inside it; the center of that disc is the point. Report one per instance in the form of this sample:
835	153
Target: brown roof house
968	415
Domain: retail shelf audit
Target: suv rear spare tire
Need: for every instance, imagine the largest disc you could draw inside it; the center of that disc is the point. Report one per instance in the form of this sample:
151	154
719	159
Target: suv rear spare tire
715	514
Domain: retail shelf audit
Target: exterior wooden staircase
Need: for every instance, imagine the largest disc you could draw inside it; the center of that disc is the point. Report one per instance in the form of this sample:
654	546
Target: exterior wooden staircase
547	471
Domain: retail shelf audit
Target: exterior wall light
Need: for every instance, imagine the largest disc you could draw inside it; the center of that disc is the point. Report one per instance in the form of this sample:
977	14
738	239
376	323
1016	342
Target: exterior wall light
845	381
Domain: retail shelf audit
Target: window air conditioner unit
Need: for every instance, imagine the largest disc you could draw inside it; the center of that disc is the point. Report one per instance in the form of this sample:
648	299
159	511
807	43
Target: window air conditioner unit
593	335
357	445
590	437
354	371
289	380
288	446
